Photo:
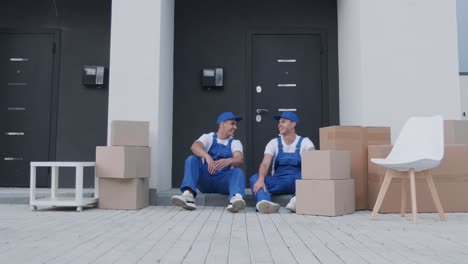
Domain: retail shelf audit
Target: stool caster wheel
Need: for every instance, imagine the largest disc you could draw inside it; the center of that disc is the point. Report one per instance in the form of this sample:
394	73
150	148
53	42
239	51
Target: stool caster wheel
33	208
79	209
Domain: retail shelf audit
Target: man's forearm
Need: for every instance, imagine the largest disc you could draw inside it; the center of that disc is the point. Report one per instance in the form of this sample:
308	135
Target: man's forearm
198	150
237	161
262	171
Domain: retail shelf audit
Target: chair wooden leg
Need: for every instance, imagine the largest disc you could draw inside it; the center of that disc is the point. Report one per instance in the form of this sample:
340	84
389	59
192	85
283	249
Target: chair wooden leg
382	192
404	189
414	208
435	195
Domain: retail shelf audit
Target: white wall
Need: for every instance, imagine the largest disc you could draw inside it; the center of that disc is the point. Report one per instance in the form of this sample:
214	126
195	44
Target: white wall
397	58
462	18
141	65
350	62
464	95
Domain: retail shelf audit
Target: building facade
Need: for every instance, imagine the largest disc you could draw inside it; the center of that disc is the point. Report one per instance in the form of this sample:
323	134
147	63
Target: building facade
359	62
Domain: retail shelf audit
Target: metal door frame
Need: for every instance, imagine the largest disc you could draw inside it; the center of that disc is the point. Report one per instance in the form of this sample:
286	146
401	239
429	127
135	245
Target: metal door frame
55	79
248	103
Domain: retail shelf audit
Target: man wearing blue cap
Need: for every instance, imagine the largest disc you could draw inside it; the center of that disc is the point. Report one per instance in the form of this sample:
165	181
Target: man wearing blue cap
213	167
285	152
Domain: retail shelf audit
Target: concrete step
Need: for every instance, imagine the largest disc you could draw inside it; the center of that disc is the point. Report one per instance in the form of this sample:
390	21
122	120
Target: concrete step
21	196
215	199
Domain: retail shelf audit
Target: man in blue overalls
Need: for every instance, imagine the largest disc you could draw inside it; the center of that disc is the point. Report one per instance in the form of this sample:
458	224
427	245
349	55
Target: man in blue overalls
285	152
213	167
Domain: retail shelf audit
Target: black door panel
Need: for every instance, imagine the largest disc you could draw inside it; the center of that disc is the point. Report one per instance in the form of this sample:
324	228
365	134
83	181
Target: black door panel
287	70
26	71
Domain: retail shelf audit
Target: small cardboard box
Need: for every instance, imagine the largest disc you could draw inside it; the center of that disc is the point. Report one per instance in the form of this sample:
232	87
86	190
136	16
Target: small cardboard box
456	131
355	139
123	162
450	179
325	165
123	193
129	133
325	197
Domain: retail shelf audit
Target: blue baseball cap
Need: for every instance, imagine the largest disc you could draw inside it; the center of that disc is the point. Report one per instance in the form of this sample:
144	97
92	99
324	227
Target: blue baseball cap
288	115
227	116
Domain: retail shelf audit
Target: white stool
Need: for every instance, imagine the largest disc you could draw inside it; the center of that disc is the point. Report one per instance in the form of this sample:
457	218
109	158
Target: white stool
79	201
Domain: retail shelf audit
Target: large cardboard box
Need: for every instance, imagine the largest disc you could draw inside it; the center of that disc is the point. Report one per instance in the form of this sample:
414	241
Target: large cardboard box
123	193
325	164
325	197
456	131
450	178
129	133
123	162
355	139
378	135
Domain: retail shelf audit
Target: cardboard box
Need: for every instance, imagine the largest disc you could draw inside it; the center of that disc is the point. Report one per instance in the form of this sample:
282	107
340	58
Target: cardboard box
325	197
325	165
456	131
450	178
355	139
129	133
123	193
378	135
123	162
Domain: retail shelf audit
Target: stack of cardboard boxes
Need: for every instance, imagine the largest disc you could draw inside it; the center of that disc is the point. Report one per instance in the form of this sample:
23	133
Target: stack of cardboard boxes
450	177
124	167
326	187
355	139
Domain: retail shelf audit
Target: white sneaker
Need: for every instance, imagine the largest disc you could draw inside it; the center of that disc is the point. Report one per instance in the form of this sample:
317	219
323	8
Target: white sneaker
184	200
236	203
291	206
267	207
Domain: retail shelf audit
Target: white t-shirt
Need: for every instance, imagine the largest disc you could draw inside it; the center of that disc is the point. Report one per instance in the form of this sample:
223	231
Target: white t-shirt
207	141
272	148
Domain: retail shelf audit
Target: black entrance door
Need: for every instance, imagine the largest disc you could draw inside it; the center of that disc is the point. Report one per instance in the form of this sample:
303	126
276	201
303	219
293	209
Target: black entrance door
287	76
26	74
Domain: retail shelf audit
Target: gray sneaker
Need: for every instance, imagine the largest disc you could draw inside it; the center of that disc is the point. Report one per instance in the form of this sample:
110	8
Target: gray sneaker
184	200
267	207
236	203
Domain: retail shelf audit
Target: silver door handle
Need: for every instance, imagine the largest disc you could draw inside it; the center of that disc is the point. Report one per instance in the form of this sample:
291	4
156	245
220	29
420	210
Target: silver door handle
14	133
261	110
11	158
286	85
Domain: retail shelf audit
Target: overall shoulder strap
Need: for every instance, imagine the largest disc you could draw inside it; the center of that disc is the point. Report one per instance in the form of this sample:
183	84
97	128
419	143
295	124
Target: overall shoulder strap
215	142
280	144
298	146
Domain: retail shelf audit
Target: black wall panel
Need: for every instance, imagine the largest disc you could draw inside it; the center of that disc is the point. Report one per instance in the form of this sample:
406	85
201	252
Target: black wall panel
85	40
214	33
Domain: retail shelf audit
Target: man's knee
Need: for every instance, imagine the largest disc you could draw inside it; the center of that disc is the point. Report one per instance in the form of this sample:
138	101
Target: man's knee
253	179
192	159
238	173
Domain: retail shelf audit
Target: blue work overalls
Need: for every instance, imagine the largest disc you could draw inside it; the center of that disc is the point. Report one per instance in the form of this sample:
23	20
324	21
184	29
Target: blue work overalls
287	170
226	180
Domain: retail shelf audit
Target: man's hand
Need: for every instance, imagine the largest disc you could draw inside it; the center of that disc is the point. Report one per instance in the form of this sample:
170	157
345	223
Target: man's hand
211	164
221	163
259	184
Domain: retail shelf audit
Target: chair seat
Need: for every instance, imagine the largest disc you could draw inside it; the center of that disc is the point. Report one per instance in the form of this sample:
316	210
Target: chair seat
417	165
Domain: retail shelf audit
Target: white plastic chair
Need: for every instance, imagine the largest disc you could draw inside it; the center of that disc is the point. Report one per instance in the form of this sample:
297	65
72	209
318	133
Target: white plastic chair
419	148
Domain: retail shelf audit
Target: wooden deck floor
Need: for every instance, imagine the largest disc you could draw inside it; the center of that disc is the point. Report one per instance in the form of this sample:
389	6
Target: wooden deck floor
213	235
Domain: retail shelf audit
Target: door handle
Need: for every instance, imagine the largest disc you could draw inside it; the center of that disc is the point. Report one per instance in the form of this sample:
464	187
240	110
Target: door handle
14	133
261	110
